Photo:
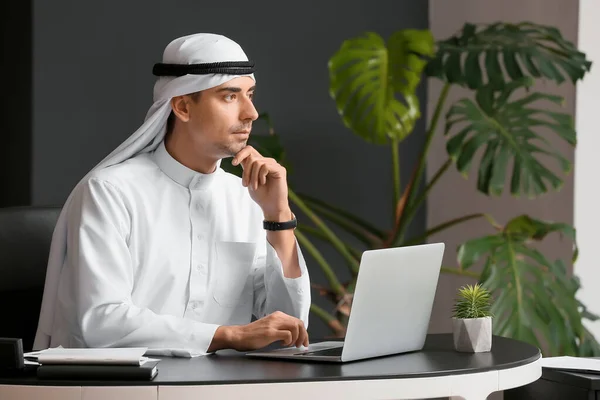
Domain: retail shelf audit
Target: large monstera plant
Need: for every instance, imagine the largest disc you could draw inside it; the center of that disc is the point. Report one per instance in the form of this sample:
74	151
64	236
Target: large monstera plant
504	127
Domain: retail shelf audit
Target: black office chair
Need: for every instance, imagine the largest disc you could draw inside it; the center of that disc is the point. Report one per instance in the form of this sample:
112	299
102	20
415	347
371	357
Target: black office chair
25	237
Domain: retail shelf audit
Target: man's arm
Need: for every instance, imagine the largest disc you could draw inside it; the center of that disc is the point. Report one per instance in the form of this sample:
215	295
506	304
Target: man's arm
102	279
281	279
284	243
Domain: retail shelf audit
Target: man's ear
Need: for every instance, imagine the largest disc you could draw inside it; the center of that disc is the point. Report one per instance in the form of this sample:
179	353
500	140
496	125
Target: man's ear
180	107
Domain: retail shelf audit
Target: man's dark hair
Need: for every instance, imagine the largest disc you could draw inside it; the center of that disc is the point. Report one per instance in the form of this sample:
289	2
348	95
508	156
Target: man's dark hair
171	120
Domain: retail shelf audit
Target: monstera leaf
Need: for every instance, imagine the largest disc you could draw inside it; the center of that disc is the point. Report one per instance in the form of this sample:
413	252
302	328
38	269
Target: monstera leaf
507	130
521	50
535	298
366	76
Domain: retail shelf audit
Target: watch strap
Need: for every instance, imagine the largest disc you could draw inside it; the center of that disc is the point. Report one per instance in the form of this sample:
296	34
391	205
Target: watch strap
280	226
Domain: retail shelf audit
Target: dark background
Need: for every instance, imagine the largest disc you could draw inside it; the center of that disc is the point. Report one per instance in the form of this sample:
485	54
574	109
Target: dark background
78	82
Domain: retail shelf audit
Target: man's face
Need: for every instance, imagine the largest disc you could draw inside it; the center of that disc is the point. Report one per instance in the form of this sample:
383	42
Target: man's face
221	118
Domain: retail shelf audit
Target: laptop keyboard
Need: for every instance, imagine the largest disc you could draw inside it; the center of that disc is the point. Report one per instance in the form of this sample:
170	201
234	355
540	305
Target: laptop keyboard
335	351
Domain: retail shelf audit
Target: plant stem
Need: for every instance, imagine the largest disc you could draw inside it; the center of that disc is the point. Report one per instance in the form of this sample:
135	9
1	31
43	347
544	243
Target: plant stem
512	259
404	221
336	286
319	234
361	234
374	233
395	175
441	227
412	210
321	313
461	272
431	133
333	239
439	173
335	325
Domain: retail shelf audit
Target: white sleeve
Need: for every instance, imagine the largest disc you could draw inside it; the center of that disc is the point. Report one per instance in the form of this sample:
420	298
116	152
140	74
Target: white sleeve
97	249
274	292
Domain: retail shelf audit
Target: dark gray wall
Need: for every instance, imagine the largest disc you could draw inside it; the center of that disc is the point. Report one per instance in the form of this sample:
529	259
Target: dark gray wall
15	126
93	86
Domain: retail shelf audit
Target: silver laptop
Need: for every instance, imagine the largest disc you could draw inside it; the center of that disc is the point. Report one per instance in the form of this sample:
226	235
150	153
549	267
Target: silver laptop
391	309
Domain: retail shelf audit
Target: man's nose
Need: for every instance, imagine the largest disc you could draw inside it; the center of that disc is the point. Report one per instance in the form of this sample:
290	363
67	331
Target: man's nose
249	111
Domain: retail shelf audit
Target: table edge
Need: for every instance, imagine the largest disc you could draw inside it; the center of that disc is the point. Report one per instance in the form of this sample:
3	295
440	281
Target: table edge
116	383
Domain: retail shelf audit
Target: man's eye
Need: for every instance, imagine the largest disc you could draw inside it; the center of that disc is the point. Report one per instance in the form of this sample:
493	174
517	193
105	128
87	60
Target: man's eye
230	97
251	96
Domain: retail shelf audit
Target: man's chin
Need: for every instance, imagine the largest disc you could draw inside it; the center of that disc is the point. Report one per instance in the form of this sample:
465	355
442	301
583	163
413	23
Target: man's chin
231	151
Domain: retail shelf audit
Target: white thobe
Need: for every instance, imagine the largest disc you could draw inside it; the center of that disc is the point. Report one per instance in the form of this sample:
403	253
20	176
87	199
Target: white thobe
160	256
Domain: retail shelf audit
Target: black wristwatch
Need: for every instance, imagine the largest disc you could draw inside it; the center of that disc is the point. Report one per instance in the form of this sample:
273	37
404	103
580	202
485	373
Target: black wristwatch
281	226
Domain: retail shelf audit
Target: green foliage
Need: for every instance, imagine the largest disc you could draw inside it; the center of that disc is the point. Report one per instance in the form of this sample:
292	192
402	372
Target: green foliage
508	130
536	297
473	302
374	87
506	52
366	77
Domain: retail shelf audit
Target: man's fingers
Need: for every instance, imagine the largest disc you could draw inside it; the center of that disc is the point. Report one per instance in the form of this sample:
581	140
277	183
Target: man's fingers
247	174
262	174
264	171
296	332
304	339
285	336
303	336
256	168
296	328
242	154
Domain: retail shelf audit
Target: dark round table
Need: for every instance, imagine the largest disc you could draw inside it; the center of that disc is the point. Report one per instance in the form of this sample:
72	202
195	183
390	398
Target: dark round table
436	371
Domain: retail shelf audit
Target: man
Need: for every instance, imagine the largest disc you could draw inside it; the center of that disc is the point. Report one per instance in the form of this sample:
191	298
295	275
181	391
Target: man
159	247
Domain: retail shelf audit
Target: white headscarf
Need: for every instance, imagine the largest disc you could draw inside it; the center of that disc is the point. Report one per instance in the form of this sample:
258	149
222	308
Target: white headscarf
193	49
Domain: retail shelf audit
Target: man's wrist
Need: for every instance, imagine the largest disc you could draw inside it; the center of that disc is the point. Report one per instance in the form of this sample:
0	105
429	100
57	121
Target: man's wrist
225	337
279	216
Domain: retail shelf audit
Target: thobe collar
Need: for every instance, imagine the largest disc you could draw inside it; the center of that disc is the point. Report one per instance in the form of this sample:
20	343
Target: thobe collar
180	173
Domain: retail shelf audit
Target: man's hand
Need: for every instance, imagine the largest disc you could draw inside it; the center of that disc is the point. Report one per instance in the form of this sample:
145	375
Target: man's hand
267	184
258	334
266	180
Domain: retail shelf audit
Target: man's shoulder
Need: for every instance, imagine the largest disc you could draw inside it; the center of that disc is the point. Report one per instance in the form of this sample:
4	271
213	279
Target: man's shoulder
128	172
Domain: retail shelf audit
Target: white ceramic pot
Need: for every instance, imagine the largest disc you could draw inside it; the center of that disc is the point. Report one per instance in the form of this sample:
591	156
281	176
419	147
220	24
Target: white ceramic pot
472	335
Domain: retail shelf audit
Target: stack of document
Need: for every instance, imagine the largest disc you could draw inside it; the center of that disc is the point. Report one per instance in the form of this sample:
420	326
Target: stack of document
582	365
93	364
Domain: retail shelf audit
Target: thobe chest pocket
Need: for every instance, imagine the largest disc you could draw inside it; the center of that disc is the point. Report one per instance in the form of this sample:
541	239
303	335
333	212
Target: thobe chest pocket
233	265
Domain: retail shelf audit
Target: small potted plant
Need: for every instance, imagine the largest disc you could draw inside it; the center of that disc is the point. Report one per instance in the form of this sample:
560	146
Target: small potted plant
472	320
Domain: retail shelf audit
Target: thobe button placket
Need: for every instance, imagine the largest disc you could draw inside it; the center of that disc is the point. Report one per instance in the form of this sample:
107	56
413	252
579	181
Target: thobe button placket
199	201
196	305
201	182
202	268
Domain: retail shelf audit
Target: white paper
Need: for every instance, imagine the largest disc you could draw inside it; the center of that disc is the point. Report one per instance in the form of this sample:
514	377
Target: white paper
572	363
165	352
114	356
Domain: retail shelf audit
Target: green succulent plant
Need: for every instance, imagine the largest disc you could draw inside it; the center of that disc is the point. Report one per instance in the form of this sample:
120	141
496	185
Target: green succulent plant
474	301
